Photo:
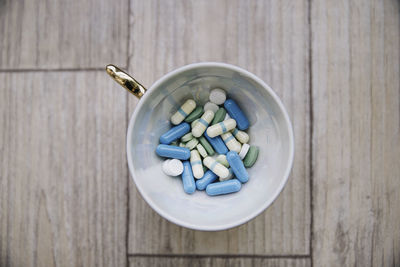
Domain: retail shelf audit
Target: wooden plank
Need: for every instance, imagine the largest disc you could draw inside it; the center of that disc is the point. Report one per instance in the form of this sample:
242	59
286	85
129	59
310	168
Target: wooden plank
217	261
270	39
63	175
356	137
63	34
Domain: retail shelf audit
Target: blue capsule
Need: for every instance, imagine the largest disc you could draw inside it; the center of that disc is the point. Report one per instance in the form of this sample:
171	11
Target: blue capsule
237	114
175	133
207	179
237	166
174	152
217	144
189	185
224	187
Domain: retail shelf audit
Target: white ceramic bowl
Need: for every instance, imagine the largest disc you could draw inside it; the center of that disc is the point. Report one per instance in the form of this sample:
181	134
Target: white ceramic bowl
270	130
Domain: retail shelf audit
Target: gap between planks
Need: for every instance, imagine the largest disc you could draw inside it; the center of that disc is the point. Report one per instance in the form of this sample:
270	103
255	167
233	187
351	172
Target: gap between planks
57	70
311	129
225	256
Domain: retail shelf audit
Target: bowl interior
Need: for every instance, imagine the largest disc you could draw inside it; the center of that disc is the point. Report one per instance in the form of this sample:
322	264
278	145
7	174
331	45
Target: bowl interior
270	130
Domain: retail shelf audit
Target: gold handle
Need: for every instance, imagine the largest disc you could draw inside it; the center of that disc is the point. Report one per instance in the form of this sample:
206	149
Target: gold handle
126	81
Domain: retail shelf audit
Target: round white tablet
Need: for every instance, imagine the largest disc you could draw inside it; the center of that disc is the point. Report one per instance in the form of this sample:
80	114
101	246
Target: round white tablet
217	96
244	150
227	117
172	167
211	106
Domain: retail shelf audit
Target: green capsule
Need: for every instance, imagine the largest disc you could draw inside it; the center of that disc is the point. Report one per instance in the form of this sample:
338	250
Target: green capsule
219	116
251	157
195	114
206	145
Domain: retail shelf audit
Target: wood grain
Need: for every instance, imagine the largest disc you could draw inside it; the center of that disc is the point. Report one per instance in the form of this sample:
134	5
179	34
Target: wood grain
216	261
63	34
63	175
268	38
356	137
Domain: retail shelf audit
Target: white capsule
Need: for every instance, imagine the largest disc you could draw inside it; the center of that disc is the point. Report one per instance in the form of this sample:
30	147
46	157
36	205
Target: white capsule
244	150
227	117
202	150
203	123
183	111
231	142
192	143
216	167
182	144
172	167
230	176
222	159
197	166
217	96
211	106
187	137
243	137
221	127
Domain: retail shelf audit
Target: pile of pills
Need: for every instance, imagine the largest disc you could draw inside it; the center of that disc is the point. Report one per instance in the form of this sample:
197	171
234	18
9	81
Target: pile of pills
203	132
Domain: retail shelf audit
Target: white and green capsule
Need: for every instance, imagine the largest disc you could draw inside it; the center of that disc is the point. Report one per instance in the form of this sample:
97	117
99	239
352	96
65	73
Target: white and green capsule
243	137
216	167
183	111
231	142
203	123
197	165
221	127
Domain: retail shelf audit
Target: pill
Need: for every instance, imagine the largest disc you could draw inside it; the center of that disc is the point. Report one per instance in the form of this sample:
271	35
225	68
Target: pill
175	143
182	144
230	176
194	123
236	113
174	152
211	106
172	167
183	111
217	96
196	113
197	165
222	159
241	136
237	166
187	137
203	123
244	150
216	167
189	186
175	133
201	150
227	116
251	156
192	143
209	149
220	128
204	169
222	188
217	144
219	116
207	179
231	142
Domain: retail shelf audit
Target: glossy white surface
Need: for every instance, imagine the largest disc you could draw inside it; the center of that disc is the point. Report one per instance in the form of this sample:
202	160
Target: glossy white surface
270	129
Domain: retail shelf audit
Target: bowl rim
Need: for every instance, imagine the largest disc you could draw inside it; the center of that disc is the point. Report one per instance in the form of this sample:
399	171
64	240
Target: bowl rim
148	94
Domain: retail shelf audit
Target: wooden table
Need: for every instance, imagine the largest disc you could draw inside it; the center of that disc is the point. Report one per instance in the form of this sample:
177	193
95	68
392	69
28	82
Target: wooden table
66	198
